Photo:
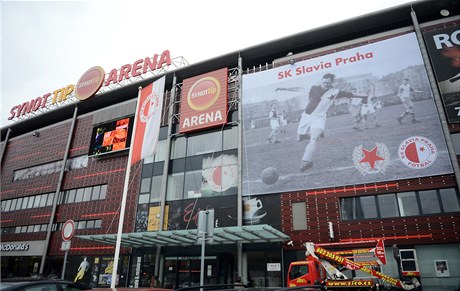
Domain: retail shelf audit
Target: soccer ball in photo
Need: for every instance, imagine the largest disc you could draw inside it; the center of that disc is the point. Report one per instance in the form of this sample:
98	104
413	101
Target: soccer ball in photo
269	175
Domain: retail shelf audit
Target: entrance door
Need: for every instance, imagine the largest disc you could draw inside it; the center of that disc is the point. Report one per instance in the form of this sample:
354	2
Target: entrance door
185	271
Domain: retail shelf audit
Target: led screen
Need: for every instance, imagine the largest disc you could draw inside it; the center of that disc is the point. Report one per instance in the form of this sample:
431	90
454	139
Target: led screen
111	136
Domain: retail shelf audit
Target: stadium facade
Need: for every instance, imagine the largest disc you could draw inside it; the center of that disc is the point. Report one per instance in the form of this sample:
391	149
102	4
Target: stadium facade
230	140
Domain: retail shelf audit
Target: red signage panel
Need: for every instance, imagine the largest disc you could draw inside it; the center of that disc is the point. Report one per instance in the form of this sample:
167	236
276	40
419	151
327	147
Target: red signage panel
204	101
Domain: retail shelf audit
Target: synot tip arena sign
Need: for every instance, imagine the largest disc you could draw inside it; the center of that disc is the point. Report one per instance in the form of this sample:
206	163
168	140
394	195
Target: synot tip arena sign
90	83
206	101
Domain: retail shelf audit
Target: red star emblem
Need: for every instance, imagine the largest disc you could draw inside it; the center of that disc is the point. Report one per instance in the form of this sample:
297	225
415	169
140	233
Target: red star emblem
371	157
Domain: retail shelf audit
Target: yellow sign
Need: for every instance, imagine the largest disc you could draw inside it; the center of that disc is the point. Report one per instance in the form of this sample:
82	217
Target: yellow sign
154	218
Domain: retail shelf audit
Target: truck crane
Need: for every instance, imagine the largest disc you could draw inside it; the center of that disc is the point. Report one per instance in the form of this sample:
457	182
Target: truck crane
321	267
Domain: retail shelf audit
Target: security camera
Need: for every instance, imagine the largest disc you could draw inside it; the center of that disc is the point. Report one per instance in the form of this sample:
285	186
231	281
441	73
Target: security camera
290	243
36	134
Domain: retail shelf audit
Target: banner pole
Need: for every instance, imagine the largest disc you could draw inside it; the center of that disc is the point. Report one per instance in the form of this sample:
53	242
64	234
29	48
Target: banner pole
239	199
123	200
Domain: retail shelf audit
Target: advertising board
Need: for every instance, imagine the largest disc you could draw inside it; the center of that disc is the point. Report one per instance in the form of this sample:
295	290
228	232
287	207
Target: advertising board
111	136
357	116
204	101
444	50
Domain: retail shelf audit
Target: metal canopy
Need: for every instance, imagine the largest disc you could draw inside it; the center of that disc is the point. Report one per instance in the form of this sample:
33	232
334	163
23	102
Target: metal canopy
223	235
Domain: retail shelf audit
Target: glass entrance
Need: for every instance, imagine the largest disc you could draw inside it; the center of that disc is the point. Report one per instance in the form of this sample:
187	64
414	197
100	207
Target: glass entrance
185	271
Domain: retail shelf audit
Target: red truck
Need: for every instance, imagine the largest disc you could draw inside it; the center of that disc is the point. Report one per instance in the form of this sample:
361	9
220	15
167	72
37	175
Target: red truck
321	267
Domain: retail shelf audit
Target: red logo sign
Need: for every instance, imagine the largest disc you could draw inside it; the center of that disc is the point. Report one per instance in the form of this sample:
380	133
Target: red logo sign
204	101
89	83
417	152
203	93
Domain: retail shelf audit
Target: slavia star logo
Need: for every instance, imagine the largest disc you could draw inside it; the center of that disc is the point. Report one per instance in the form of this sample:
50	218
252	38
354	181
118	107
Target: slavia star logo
149	107
417	152
371	161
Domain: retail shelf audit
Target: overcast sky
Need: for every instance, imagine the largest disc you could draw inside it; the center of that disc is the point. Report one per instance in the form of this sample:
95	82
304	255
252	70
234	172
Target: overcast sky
49	45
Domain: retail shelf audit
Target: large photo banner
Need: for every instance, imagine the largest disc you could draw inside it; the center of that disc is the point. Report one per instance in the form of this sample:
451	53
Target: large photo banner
362	115
444	49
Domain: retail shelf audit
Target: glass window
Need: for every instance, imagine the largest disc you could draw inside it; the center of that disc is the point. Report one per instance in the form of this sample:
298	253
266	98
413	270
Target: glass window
352	208
192	185
429	202
204	143
96	192
19	204
18	229
37	228
53	167
388	206
175	186
299	216
61	197
79	195
43	227
144	198
14	204
161	151
231	138
4	205
30	228
408	260
90	224
31	202
346	208
147	170
145	185
81	224
78	162
369	206
37	201
158	168
25	202
449	200
103	192
49	202
8	205
407	203
43	200
456	141
70	196
97	223
178	147
87	194
155	191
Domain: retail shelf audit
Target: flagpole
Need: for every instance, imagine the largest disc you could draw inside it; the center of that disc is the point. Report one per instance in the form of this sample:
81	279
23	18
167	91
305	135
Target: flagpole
124	198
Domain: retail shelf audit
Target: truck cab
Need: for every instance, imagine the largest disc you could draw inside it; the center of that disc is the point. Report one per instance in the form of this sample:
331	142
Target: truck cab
303	273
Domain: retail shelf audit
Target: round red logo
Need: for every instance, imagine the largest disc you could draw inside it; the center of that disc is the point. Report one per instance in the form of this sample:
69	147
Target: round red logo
90	82
203	93
417	152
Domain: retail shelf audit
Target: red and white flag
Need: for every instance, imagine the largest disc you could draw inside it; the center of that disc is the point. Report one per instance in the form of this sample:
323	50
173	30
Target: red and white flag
148	119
